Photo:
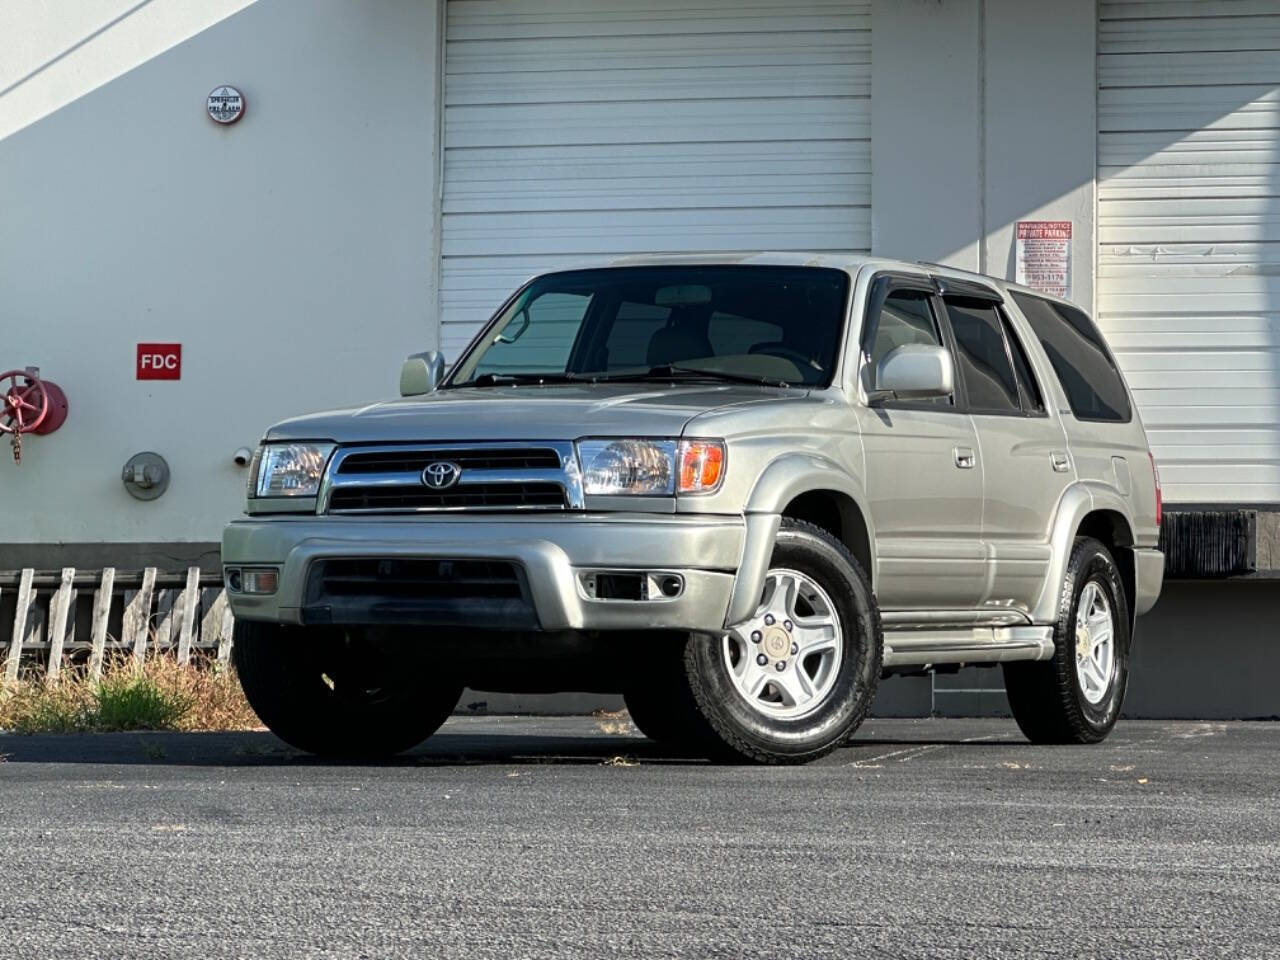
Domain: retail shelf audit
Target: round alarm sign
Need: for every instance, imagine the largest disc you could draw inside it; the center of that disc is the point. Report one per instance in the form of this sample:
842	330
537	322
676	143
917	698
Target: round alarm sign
225	105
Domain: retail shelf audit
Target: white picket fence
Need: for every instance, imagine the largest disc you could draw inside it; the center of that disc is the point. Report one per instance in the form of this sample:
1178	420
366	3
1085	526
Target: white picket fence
137	612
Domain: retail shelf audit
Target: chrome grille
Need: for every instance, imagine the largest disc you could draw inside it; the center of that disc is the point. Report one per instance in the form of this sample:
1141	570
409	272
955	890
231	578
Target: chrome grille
506	476
415	461
479	496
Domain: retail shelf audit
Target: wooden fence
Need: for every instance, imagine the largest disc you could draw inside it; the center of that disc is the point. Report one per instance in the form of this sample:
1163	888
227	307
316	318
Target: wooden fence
71	616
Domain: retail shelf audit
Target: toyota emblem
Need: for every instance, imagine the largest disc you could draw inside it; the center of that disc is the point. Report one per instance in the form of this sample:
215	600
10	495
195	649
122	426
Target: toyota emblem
441	474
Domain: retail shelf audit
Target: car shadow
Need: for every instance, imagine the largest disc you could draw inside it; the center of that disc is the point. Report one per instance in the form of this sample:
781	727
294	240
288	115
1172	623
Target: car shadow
253	748
449	747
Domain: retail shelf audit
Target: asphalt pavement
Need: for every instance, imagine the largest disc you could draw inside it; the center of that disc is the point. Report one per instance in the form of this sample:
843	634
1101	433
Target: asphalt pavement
574	837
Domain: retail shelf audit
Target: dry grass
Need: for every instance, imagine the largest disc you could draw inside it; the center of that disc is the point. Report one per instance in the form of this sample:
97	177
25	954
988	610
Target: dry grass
160	696
613	722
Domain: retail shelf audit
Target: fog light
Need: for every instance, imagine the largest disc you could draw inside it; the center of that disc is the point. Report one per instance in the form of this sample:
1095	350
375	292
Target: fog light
260	579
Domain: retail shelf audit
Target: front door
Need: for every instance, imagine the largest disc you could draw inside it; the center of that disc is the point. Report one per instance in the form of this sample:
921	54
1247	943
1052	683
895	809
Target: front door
923	468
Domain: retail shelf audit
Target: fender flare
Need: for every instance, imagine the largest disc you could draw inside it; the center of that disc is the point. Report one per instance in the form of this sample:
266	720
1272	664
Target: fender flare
779	483
1078	501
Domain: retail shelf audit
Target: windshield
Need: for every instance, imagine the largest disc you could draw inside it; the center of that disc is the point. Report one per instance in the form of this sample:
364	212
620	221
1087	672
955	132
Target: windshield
755	323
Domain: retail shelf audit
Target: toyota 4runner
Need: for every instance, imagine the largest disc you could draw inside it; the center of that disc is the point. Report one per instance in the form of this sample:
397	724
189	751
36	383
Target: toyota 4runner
740	491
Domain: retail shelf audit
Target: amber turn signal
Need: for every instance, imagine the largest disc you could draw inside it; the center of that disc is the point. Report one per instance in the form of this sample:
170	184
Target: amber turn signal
701	465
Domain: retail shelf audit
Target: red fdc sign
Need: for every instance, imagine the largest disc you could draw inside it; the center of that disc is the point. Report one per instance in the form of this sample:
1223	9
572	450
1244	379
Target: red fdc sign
159	361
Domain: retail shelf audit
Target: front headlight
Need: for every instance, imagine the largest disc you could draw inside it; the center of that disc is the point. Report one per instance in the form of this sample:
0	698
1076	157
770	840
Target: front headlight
628	467
290	469
650	467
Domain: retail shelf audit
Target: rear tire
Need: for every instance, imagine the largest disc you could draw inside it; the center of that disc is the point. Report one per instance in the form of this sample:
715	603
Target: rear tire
1076	696
793	682
328	692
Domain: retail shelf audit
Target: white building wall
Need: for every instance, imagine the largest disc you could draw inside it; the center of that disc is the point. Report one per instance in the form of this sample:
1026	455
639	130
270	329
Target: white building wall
982	115
1189	223
1039	122
292	254
925	124
577	131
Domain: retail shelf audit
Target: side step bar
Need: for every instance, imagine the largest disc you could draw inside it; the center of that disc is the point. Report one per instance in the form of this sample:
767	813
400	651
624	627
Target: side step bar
923	648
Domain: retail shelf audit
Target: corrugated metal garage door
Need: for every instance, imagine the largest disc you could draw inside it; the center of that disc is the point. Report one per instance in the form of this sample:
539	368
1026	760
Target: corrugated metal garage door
1189	233
577	129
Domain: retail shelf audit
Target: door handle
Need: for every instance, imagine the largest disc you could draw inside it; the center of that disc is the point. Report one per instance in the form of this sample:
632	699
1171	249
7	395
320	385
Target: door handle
1061	462
965	457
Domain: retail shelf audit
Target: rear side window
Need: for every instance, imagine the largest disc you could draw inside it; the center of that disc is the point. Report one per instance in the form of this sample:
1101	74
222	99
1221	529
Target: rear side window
983	356
1080	358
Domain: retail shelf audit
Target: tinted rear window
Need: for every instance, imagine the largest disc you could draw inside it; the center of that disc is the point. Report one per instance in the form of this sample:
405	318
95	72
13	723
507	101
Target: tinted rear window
1080	358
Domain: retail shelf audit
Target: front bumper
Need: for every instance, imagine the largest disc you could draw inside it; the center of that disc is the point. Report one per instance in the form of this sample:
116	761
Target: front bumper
550	551
1148	578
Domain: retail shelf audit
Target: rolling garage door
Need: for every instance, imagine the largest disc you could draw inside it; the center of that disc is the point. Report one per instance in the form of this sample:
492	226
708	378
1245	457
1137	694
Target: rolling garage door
578	129
1189	235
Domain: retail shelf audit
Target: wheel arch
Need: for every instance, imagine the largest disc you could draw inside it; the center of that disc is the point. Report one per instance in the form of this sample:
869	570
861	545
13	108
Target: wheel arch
1095	511
838	514
1112	528
805	487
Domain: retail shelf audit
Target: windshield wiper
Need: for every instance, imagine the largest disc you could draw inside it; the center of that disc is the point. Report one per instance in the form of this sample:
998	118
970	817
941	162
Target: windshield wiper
675	371
515	379
666	371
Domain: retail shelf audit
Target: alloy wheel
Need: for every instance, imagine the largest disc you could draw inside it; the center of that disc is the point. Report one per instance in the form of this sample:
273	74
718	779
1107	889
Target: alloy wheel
1095	643
784	660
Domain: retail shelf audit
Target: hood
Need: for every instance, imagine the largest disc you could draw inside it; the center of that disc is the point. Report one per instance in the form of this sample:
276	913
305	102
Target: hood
554	412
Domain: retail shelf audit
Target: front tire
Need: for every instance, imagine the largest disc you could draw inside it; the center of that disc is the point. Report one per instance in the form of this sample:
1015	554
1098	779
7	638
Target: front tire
794	681
326	691
1076	697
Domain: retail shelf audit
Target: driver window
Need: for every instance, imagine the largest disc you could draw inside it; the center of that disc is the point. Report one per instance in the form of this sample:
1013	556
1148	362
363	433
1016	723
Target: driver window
906	316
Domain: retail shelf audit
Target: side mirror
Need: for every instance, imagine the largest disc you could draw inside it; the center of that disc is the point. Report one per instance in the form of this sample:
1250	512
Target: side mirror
421	373
914	371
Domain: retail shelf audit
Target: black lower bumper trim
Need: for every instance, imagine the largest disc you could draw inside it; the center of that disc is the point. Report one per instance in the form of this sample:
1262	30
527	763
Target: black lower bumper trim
479	594
375	611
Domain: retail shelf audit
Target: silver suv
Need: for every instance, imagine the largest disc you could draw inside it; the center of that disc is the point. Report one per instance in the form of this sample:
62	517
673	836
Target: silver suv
739	491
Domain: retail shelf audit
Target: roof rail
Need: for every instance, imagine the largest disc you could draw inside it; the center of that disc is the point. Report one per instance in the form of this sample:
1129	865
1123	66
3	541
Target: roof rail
946	266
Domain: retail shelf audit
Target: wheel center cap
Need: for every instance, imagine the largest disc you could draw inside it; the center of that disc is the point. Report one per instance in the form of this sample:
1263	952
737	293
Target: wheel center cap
1084	642
776	643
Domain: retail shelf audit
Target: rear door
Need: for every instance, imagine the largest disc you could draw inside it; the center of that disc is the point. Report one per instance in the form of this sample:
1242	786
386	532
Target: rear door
1022	443
923	469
